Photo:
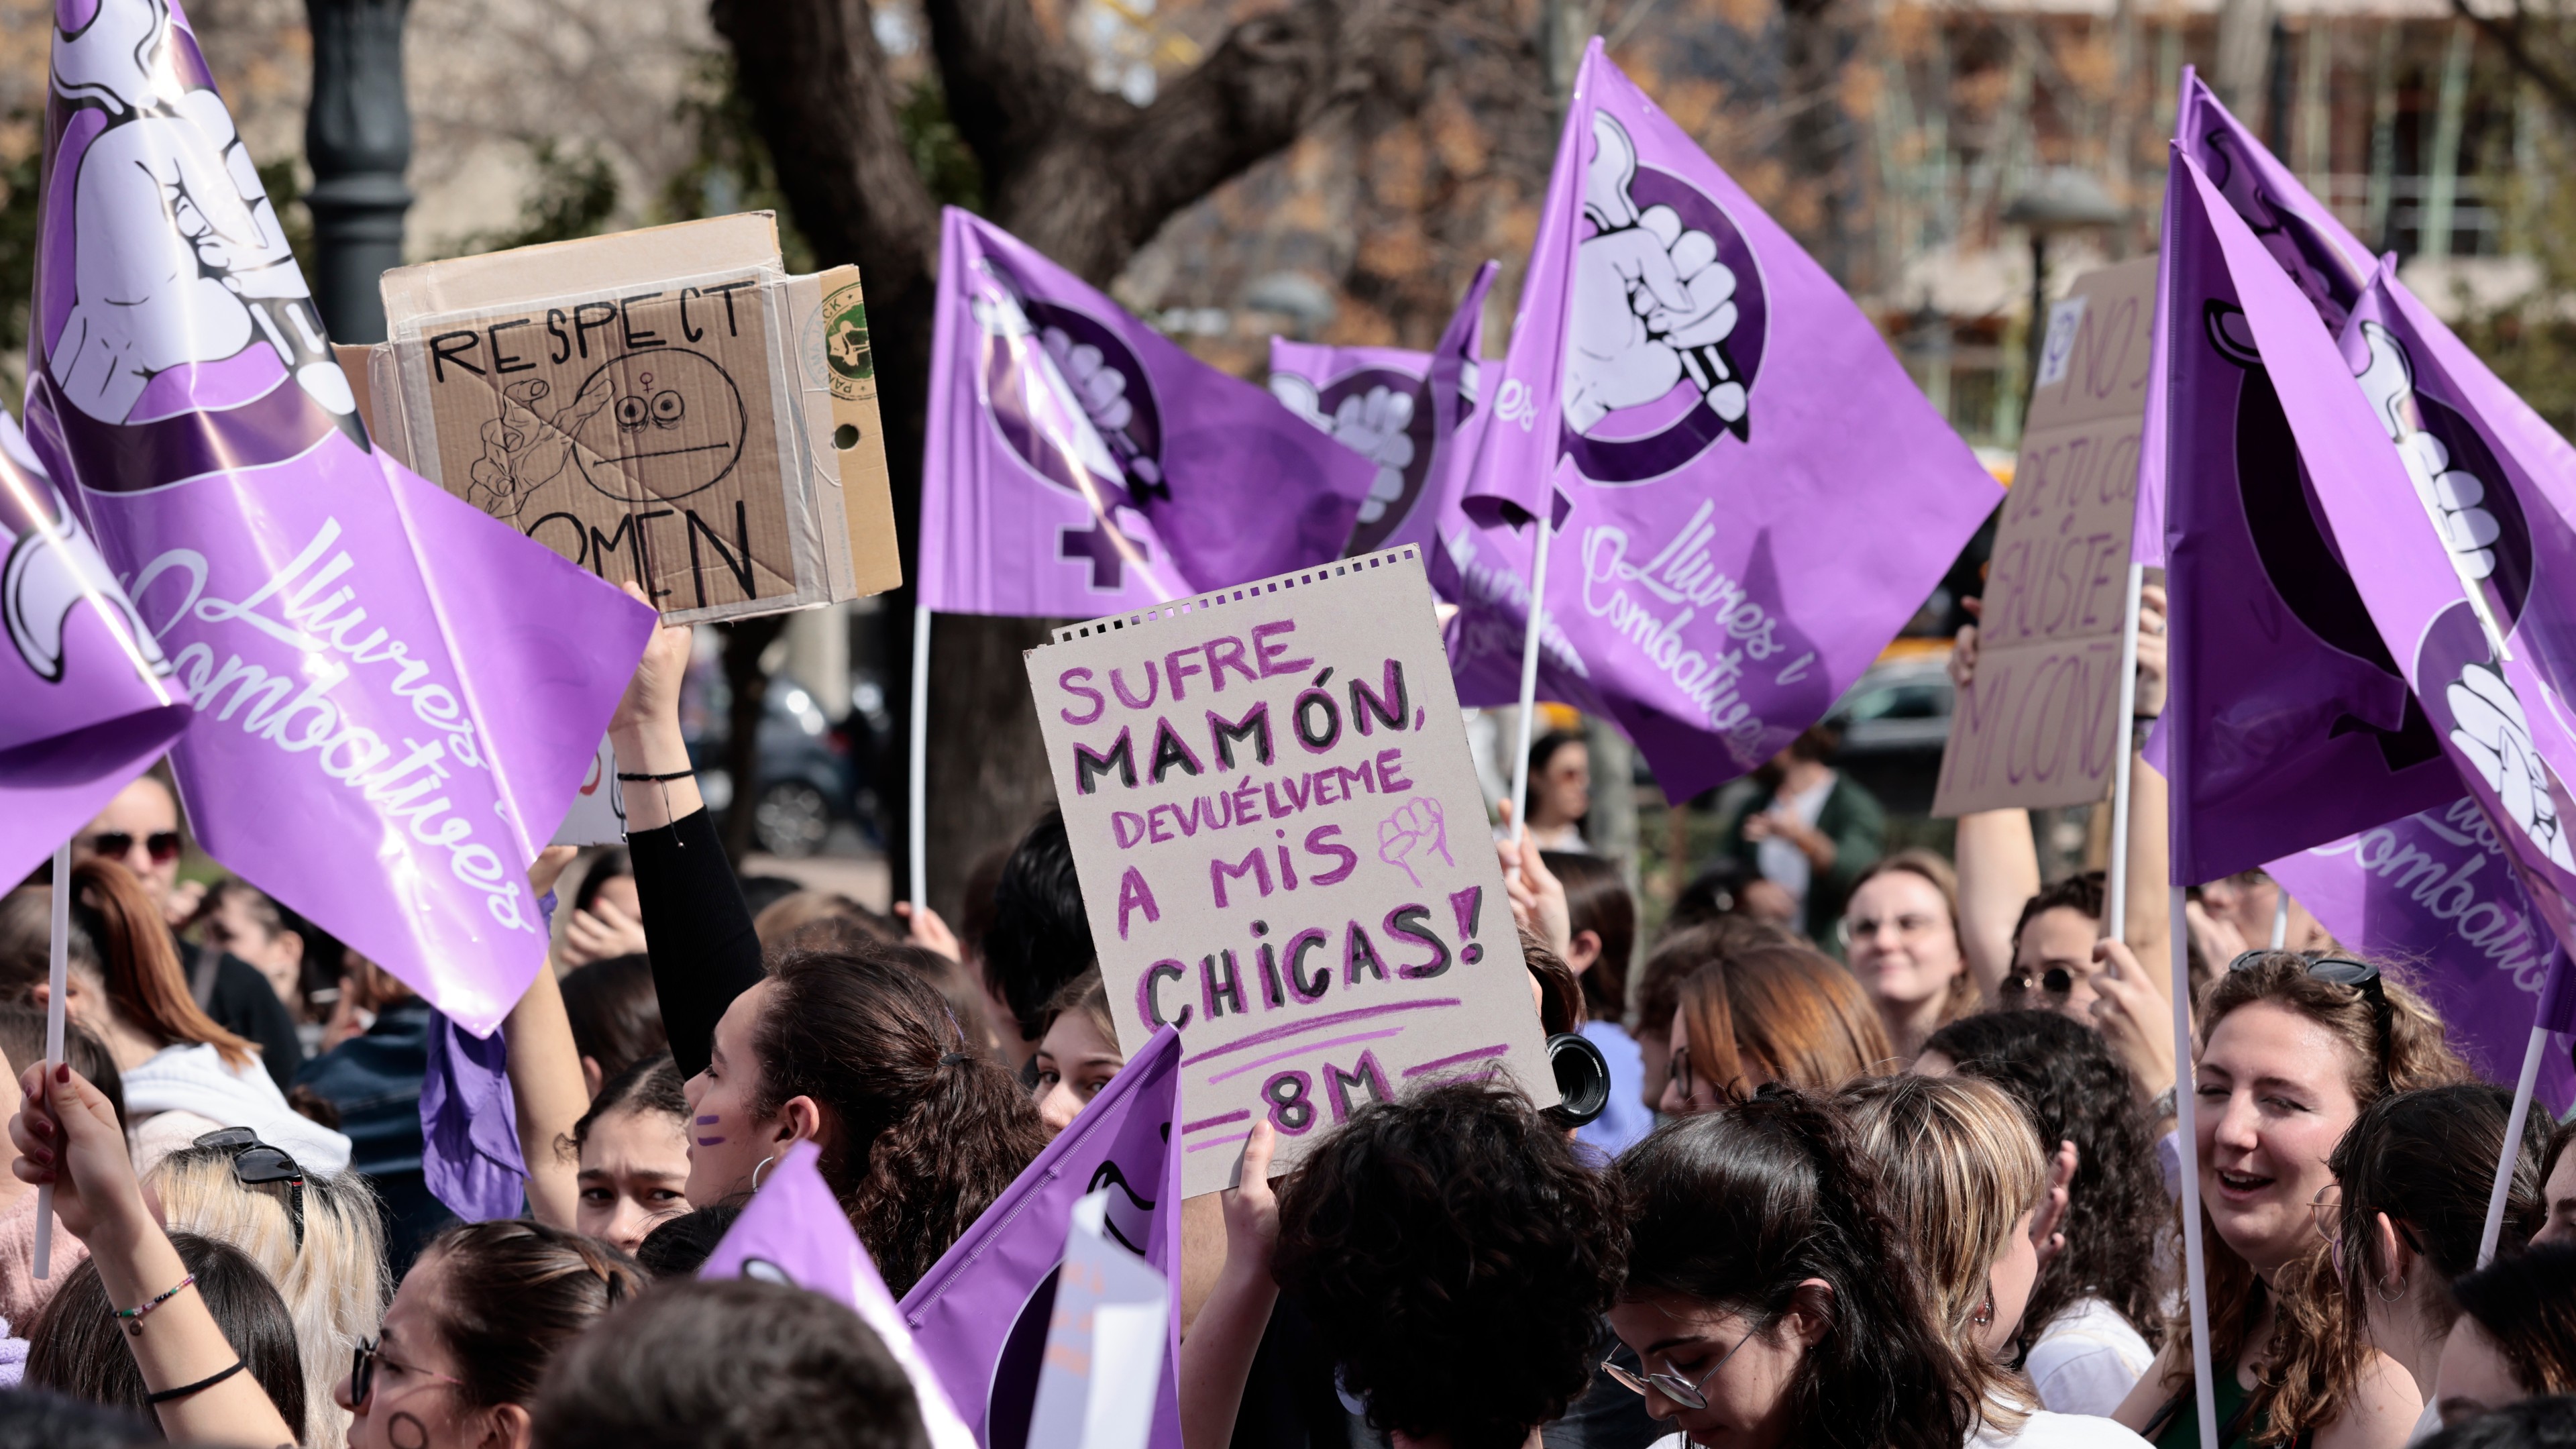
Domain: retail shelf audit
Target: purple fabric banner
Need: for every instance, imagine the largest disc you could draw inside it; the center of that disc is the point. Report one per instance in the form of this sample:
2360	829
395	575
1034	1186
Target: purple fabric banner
2291	722
1749	493
2326	262
395	697
1080	462
86	702
981	1312
2436	892
793	1232
469	1125
2397	474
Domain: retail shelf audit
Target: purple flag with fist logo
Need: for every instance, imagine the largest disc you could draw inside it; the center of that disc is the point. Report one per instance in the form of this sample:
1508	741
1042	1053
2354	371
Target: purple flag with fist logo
980	1314
394	697
1080	463
1749	495
86	702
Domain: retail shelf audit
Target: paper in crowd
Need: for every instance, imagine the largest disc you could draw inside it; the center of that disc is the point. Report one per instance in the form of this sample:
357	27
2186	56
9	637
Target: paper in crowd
2436	892
1283	851
86	700
793	1231
1103	1371
2039	725
1079	461
983	1312
418	691
1750	496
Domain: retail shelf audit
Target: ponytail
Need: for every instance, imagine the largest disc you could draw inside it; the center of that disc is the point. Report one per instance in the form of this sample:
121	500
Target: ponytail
141	965
924	1131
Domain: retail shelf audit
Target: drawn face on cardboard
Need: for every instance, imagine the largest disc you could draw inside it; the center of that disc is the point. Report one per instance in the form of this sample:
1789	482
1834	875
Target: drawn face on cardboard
674	425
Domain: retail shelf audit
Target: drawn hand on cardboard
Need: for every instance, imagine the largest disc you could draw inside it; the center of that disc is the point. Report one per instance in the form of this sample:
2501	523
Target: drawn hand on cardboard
2494	733
523	449
1651	300
1416	831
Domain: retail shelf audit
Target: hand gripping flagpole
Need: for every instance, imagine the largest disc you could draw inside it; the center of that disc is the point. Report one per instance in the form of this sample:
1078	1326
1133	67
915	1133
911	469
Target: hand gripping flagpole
1529	668
917	818
57	974
2116	912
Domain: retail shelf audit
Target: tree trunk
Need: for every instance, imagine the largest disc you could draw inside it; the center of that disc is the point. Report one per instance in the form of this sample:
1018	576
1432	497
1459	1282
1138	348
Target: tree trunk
745	640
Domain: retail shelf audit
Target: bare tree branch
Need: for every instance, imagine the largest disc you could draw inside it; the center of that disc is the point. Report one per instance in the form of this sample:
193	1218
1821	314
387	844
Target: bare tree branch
2509	36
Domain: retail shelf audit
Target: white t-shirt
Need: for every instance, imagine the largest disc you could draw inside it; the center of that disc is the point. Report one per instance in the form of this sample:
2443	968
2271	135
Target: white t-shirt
1782	863
2046	1430
2087	1359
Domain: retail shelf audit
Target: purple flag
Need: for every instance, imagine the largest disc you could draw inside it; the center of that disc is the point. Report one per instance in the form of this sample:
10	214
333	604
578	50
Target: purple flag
1080	462
2437	891
2325	262
981	1312
1749	494
85	698
793	1231
469	1125
2291	723
395	697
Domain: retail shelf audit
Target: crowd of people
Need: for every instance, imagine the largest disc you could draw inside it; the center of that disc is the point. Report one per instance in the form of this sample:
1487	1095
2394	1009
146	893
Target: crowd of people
1889	1166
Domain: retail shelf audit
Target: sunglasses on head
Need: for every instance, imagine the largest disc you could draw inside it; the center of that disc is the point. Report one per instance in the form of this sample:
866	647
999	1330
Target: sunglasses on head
161	845
255	1164
2361	976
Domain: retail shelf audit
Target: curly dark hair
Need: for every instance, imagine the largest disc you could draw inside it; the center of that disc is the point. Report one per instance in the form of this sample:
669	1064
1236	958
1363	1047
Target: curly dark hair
2075	1090
1459	1256
1734	1209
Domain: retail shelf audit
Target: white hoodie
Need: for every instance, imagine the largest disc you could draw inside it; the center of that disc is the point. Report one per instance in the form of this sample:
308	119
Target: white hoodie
196	1092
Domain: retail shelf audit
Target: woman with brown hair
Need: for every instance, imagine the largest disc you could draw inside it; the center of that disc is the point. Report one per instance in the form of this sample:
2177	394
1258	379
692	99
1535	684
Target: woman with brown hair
2292	1049
1900	933
1767	1014
183	1075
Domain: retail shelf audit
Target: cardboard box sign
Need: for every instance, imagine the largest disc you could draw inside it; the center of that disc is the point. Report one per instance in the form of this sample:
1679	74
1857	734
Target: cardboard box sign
2038	727
665	406
1283	851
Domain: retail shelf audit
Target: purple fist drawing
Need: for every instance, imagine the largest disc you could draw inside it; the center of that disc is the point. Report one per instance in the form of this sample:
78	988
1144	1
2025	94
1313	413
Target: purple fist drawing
1416	830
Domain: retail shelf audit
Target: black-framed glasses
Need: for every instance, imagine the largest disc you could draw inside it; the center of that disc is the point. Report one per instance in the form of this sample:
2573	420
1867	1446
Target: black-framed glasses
1673	1386
362	1371
256	1164
161	845
2361	976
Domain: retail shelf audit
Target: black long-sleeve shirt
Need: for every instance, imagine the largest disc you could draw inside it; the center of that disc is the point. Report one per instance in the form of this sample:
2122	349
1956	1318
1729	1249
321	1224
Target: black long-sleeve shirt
697	931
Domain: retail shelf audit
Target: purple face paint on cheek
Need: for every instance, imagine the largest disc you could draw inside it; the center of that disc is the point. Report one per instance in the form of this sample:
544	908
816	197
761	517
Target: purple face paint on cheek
710	1141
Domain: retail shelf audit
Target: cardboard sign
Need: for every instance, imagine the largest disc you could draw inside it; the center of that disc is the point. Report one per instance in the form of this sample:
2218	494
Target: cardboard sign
665	406
1282	846
2037	727
1104	1344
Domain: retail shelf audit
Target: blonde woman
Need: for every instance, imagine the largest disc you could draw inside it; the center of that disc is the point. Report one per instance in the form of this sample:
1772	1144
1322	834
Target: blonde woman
1960	1171
316	1236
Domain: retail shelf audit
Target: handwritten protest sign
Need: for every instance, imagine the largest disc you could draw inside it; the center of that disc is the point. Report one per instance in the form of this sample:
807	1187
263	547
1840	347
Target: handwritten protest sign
2036	728
1283	849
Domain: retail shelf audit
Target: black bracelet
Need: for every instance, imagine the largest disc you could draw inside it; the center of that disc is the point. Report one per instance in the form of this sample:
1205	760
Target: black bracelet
200	1386
657	779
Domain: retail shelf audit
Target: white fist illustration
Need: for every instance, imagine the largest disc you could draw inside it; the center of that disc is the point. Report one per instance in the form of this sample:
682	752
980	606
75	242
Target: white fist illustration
2496	736
1416	829
1373	425
1651	300
2453	497
1103	391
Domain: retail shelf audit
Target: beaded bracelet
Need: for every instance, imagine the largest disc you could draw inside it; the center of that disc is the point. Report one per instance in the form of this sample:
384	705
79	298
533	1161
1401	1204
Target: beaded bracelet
134	1316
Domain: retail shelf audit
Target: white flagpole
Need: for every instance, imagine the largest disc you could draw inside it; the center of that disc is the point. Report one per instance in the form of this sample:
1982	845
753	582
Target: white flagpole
917	818
2116	913
1529	668
2280	918
57	978
2513	1122
2187	1127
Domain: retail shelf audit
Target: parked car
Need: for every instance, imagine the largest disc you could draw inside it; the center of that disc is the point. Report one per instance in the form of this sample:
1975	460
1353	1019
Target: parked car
806	777
1895	720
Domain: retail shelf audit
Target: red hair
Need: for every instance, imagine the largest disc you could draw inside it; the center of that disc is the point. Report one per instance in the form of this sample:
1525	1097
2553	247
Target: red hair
141	964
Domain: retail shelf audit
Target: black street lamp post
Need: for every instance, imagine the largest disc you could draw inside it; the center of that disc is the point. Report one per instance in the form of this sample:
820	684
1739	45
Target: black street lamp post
357	134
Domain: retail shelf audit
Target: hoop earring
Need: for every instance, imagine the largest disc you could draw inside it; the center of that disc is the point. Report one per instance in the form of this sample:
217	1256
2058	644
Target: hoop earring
2381	1288
755	1172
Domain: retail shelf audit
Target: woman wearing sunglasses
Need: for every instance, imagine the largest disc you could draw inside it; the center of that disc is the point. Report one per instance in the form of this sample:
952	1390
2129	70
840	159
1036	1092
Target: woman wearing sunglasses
2409	1205
315	1234
2292	1049
1770	1299
1963	1176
